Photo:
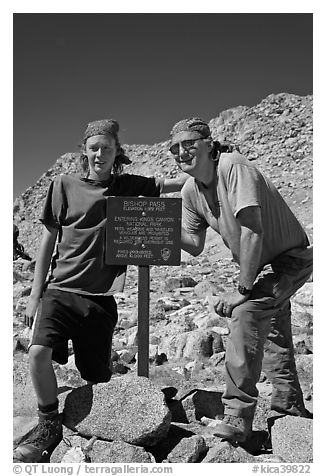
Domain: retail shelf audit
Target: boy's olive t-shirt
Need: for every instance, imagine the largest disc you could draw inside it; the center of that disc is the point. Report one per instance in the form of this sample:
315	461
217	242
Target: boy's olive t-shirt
239	184
77	207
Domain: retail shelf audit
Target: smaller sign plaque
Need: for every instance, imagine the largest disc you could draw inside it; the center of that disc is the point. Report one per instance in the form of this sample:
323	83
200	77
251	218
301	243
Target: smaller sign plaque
143	231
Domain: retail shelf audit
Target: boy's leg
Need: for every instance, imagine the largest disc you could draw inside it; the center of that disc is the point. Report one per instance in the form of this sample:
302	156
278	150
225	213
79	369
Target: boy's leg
48	433
92	340
49	342
42	374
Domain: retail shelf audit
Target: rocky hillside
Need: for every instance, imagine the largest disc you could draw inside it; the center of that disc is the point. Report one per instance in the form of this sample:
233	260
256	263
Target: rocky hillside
187	337
277	134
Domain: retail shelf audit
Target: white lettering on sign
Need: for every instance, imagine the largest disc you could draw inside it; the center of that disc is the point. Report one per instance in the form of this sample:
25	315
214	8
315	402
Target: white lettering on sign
143	205
165	219
140	254
143	230
122	254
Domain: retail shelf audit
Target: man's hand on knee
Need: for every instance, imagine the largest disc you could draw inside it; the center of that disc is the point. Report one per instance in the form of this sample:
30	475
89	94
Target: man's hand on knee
225	303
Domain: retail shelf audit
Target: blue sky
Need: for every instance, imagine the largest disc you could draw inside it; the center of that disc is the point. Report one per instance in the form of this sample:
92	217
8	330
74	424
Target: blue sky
145	70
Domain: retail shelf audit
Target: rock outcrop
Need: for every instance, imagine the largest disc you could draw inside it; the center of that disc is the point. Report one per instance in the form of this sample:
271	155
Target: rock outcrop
169	416
277	134
76	449
129	409
292	439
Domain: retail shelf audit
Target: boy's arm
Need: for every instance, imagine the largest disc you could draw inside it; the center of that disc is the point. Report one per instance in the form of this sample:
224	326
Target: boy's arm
42	265
174	184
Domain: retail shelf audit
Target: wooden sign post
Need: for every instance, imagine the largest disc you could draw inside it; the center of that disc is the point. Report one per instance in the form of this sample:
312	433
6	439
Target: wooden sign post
143	231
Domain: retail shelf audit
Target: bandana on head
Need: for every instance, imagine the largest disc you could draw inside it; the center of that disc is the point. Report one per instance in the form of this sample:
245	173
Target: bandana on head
102	128
192	124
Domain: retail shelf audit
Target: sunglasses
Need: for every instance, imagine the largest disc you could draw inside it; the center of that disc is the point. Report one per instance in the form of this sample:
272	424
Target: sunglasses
186	144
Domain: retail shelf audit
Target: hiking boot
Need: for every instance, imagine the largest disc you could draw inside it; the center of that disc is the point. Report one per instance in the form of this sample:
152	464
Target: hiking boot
234	428
39	443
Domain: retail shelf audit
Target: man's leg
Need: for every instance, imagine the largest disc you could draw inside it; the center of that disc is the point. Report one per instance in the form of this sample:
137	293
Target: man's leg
243	360
292	269
280	368
250	324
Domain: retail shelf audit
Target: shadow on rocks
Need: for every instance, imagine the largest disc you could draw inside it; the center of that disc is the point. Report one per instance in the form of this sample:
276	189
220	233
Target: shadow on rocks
164	447
195	405
177	411
207	404
257	444
78	405
64	388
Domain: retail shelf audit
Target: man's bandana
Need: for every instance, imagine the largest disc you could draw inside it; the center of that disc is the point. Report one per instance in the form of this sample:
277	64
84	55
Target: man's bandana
192	124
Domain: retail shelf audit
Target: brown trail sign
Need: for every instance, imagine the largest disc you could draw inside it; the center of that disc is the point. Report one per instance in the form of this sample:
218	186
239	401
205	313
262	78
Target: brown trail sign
143	231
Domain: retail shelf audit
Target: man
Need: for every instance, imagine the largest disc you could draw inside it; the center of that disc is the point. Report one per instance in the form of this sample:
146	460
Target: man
229	194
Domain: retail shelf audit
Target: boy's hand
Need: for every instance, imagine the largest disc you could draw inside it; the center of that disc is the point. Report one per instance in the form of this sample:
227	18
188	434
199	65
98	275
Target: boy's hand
31	311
